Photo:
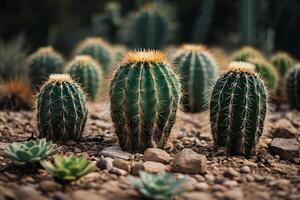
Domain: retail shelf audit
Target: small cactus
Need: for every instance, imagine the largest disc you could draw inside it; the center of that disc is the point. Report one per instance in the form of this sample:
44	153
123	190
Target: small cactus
61	109
292	87
282	62
98	49
237	110
267	72
144	96
198	70
42	63
88	74
246	53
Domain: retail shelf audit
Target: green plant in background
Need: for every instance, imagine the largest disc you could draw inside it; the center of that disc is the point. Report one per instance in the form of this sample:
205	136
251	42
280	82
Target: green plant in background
98	49
198	71
237	110
267	72
119	51
292	87
283	62
88	74
245	53
109	22
248	21
29	152
42	63
158	186
68	168
61	109
204	21
144	97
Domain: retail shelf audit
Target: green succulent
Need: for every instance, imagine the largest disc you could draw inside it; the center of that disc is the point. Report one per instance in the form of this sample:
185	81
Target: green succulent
157	186
29	152
68	168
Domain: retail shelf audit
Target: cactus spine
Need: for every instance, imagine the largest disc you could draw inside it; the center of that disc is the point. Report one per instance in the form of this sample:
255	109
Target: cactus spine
42	63
61	109
88	74
144	97
98	49
198	70
237	110
293	87
246	53
267	72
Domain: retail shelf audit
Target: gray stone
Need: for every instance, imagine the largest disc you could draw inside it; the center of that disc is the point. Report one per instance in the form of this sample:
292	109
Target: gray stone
117	171
202	186
105	163
284	129
115	152
231	173
287	149
245	170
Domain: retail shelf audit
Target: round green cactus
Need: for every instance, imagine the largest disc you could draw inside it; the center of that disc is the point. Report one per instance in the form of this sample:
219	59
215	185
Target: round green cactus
88	74
238	109
42	63
144	97
61	109
267	72
97	49
292	87
282	62
198	70
246	53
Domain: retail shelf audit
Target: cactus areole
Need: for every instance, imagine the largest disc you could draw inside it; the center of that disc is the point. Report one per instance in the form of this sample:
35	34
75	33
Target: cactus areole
144	97
61	109
238	109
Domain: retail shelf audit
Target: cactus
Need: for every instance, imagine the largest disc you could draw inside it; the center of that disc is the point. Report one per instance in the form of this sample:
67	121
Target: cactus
118	51
61	109
282	62
248	21
292	87
267	72
88	74
237	110
144	96
98	49
42	63
246	53
198	70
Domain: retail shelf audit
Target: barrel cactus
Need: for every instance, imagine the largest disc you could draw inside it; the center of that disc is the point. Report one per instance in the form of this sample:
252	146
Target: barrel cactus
238	109
98	49
42	63
87	73
198	71
144	97
61	109
246	53
267	72
292	87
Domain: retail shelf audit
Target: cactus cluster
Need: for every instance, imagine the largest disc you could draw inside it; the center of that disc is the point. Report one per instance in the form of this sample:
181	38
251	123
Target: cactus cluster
267	72
237	110
198	71
98	49
282	62
246	53
292	87
88	74
42	63
144	97
61	109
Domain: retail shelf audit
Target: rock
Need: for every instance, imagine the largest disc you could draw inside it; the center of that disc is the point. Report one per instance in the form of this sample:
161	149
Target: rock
196	196
85	194
49	186
117	171
158	155
28	193
283	129
154	167
280	184
230	183
231	173
136	168
61	196
234	194
209	177
190	162
122	164
105	163
6	193
115	152
245	170
284	168
189	183
287	149
202	186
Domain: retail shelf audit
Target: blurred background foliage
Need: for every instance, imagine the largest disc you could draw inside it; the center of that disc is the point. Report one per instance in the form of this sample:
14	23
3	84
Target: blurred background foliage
269	25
